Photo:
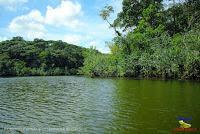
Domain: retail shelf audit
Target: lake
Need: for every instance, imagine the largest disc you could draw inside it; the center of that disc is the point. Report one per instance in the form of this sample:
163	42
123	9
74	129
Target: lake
93	105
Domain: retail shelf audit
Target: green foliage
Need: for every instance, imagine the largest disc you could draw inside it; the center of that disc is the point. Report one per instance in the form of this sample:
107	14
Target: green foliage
97	64
161	56
132	11
24	58
182	17
159	42
105	13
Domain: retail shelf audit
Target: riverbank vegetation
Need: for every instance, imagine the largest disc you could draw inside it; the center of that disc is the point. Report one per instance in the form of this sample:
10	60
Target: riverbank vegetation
29	58
155	41
152	41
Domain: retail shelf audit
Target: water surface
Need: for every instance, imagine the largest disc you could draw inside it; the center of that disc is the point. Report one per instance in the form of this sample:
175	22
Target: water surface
86	105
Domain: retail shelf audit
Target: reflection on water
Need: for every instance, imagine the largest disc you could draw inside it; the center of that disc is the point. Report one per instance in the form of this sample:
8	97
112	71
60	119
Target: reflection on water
90	105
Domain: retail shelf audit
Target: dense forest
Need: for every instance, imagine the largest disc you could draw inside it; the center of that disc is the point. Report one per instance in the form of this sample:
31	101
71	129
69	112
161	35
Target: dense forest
30	58
152	40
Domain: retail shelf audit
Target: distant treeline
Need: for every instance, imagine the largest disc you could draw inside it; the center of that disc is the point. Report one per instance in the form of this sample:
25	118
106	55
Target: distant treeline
152	40
29	58
155	41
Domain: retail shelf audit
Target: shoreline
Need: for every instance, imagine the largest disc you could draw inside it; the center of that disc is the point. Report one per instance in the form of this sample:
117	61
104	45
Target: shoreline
99	77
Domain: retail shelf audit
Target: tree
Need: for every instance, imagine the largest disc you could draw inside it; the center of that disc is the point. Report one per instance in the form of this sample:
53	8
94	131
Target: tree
105	14
39	57
159	42
131	12
18	38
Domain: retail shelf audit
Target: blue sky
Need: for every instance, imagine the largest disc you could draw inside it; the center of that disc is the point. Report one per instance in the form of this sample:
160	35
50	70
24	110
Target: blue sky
73	21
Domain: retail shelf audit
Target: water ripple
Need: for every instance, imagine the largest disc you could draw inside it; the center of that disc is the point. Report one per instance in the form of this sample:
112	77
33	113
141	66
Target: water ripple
93	105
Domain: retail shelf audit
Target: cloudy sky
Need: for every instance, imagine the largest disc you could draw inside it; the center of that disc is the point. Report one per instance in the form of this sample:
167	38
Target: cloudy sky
73	21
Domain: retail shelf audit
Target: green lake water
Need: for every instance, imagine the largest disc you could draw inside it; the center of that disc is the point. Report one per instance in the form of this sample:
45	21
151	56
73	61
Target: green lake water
86	105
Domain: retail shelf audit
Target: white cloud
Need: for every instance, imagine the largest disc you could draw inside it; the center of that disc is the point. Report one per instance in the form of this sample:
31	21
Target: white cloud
76	39
51	26
3	38
92	43
12	4
99	45
82	40
33	24
73	39
65	14
30	25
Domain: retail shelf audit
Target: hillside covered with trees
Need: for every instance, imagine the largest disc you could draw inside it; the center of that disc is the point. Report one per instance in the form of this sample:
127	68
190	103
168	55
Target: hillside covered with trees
152	40
29	58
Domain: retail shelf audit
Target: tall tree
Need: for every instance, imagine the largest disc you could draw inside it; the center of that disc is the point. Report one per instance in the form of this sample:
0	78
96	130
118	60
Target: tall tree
131	12
105	14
